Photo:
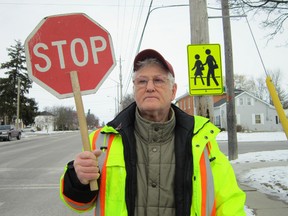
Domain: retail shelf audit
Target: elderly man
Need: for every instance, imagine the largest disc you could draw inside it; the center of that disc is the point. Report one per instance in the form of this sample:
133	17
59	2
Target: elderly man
153	159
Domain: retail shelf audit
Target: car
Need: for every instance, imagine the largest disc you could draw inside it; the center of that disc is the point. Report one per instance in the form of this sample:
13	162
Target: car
7	132
28	129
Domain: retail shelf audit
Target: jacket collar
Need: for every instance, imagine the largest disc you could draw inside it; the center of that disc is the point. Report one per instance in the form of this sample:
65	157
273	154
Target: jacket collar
126	118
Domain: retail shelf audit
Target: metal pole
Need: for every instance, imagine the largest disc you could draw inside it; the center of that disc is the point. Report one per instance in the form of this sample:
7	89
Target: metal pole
200	35
277	104
121	86
230	94
18	104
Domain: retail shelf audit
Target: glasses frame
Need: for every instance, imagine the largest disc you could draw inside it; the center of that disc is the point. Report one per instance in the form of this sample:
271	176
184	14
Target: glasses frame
158	81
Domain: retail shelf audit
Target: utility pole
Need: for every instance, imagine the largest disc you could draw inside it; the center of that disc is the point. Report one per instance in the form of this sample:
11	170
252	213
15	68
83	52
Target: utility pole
121	85
18	104
200	35
230	98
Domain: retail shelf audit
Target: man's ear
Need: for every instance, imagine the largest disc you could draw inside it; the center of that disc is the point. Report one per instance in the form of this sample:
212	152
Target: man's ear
174	90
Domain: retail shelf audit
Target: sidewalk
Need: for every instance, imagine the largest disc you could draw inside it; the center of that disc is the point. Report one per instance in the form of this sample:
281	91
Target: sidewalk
260	203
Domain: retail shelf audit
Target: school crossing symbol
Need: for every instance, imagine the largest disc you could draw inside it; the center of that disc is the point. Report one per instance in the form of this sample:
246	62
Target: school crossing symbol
205	73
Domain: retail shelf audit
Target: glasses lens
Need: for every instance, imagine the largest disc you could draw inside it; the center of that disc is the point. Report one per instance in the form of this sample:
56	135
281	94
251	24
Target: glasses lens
143	81
159	81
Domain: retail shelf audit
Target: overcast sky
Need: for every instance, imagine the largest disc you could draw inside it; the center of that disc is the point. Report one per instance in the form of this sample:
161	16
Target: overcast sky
168	31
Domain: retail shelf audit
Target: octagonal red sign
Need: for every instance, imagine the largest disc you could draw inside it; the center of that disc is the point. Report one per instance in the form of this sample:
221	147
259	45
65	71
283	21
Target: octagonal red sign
69	42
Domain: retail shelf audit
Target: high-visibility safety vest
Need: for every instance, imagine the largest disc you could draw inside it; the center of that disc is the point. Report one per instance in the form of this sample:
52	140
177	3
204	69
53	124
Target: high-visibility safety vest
111	197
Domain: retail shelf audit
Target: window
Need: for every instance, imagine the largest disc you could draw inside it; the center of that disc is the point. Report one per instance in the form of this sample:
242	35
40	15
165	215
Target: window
258	118
249	101
276	118
241	101
217	121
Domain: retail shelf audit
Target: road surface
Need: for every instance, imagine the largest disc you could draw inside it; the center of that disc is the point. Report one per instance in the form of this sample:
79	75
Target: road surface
29	174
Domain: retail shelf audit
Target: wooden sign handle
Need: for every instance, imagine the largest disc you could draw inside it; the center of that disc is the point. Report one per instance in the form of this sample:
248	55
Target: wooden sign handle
82	119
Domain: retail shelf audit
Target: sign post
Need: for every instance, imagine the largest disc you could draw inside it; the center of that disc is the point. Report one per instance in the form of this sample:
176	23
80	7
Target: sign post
81	118
70	55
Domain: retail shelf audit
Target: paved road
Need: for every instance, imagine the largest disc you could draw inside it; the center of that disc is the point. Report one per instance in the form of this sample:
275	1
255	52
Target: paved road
30	171
245	147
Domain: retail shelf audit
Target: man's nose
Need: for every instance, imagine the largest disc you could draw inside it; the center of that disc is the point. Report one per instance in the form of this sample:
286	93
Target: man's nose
150	85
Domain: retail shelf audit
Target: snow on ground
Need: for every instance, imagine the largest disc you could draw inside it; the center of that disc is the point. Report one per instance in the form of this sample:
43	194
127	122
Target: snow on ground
263	156
269	180
256	136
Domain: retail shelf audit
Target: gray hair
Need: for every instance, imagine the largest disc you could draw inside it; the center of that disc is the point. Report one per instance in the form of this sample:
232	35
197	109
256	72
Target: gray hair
153	61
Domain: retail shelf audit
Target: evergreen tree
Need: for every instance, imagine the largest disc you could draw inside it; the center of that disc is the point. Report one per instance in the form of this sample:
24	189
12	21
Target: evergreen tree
29	110
92	121
15	70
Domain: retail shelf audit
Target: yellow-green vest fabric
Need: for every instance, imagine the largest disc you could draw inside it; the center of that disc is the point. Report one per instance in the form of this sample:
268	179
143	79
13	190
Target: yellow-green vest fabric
227	198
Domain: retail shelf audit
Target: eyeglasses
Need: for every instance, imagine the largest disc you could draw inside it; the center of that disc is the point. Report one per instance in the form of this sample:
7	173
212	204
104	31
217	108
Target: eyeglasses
142	82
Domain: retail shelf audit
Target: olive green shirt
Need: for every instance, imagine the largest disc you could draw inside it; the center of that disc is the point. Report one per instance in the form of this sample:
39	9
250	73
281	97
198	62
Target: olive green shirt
155	167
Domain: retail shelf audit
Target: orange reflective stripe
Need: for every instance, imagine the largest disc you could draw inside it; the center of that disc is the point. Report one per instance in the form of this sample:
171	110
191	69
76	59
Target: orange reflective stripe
203	184
208	205
111	137
93	144
76	205
102	140
213	213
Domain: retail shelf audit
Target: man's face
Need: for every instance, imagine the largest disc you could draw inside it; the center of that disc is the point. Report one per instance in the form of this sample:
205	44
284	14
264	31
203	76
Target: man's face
153	92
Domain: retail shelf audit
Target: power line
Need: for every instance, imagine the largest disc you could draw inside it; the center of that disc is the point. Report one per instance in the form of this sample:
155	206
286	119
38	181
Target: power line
254	40
150	10
60	4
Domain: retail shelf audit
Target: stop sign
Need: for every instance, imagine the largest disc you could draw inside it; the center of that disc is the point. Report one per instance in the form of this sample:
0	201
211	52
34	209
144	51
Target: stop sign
69	42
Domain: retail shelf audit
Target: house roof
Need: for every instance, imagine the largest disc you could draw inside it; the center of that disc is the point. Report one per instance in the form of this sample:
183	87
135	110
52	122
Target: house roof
223	100
182	96
216	104
45	113
220	102
239	94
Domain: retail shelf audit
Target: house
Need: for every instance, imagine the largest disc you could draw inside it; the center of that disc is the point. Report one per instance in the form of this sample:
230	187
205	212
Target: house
252	113
44	121
186	102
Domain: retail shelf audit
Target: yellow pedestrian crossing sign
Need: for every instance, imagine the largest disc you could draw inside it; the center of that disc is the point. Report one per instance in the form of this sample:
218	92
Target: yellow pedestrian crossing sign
204	69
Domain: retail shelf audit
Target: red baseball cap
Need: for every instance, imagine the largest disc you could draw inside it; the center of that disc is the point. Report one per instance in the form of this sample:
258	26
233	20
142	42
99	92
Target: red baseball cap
150	53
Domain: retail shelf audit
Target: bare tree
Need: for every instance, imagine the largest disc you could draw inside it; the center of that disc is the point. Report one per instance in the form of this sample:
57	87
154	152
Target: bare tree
282	94
276	13
261	89
258	87
65	118
127	100
245	83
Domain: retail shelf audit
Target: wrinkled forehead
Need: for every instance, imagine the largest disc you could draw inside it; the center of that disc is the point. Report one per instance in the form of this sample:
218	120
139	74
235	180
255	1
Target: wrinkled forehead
151	67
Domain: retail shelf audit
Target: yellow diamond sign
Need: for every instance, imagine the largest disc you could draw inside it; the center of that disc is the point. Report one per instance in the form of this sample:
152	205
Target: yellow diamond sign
204	69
